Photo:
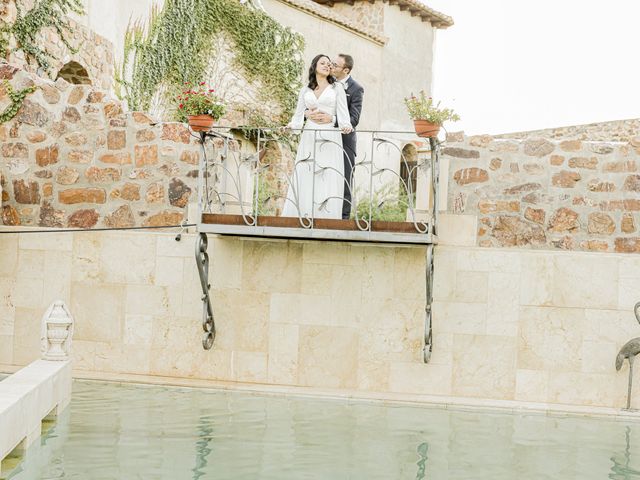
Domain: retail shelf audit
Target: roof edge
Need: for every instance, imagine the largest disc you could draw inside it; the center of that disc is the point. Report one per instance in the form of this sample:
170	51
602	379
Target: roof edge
437	19
415	7
315	8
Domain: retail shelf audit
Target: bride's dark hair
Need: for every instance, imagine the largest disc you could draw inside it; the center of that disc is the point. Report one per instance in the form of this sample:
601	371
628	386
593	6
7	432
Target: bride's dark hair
313	81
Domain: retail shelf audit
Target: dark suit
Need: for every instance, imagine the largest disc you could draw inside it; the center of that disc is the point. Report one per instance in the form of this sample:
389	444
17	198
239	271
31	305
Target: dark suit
355	92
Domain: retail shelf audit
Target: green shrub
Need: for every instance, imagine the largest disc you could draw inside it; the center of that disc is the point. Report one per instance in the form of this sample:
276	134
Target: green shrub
389	204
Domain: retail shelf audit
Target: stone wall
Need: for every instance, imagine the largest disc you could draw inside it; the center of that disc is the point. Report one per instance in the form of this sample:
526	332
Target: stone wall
614	131
541	193
509	325
72	158
370	15
95	53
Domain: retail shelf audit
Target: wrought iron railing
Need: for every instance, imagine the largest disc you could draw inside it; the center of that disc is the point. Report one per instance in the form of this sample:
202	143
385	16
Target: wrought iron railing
393	187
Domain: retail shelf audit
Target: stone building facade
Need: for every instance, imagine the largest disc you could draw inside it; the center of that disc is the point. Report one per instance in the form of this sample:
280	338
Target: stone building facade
382	37
73	157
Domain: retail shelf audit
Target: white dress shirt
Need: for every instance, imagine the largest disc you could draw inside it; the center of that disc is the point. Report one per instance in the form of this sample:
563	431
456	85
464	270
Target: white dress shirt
345	84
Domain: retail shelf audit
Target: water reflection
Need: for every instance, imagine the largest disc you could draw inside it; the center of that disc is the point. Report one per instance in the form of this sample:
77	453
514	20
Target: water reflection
621	469
128	432
205	436
423	448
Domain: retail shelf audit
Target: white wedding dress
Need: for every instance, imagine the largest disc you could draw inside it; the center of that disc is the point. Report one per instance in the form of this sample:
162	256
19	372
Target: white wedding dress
319	194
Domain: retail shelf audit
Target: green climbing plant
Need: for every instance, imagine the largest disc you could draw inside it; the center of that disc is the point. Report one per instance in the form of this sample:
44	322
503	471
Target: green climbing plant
29	24
176	46
17	98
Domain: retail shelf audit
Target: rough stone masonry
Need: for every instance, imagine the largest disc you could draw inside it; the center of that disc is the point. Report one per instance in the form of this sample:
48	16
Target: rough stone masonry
540	193
73	158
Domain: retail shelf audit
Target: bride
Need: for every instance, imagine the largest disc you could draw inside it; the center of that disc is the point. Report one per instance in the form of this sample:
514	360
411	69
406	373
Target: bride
317	181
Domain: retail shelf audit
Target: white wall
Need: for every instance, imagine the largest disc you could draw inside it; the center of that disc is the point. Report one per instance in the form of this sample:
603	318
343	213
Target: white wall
407	65
524	326
110	18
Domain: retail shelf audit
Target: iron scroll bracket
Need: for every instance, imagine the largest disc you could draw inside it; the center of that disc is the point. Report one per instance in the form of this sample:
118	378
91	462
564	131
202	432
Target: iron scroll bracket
202	260
427	347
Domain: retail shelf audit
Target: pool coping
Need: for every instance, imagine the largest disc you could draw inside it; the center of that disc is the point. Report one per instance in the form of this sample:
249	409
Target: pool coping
358	396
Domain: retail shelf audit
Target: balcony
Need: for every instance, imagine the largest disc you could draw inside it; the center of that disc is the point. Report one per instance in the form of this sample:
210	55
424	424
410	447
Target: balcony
244	182
247	182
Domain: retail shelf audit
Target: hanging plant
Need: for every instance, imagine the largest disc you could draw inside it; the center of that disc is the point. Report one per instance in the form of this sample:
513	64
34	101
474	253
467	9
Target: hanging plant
29	25
17	98
176	46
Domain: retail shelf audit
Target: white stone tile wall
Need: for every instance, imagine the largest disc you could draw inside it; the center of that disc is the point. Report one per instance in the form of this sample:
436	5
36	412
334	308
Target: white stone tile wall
520	325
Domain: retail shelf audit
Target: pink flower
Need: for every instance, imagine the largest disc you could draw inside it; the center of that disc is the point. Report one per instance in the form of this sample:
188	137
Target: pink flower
201	83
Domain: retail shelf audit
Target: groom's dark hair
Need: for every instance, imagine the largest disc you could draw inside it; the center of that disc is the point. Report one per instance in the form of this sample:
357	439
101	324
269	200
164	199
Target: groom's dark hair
348	61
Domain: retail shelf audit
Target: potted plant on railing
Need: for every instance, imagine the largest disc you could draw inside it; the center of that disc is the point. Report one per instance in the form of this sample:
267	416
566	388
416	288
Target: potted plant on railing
428	117
200	107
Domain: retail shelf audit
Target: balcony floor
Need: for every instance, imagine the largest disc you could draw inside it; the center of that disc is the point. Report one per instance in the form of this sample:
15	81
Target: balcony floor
323	229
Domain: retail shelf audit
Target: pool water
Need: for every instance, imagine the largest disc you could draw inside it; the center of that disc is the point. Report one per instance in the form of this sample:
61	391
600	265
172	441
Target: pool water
115	431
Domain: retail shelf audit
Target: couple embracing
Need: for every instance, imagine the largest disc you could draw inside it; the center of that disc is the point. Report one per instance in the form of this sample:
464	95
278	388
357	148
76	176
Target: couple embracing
328	109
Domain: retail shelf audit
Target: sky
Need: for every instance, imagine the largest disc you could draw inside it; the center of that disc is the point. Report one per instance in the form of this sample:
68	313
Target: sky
509	66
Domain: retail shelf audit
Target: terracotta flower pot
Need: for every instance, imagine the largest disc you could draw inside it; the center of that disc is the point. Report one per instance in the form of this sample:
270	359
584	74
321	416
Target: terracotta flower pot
426	129
201	123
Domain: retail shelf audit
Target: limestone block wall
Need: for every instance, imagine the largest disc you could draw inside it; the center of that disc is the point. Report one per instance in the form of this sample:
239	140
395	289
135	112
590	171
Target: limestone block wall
551	194
73	158
535	326
514	325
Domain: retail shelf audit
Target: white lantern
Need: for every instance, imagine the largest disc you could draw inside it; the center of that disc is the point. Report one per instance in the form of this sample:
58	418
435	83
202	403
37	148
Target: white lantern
57	330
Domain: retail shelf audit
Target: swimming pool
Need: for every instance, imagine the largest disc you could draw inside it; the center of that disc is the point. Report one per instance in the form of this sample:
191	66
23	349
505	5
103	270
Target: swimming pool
125	431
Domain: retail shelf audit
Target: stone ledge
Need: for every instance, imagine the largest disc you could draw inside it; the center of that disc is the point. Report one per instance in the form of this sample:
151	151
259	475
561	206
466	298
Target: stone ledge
424	401
40	389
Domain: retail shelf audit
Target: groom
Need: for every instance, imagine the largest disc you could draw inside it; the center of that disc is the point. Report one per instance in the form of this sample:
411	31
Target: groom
341	69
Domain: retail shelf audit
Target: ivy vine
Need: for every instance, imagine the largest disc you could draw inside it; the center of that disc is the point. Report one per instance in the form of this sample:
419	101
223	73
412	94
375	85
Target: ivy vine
28	25
257	126
17	98
176	46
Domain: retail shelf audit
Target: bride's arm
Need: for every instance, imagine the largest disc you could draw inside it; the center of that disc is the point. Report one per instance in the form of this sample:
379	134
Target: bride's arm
342	111
297	121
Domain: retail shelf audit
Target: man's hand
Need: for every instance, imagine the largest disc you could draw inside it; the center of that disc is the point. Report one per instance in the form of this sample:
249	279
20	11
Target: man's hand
346	130
319	117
